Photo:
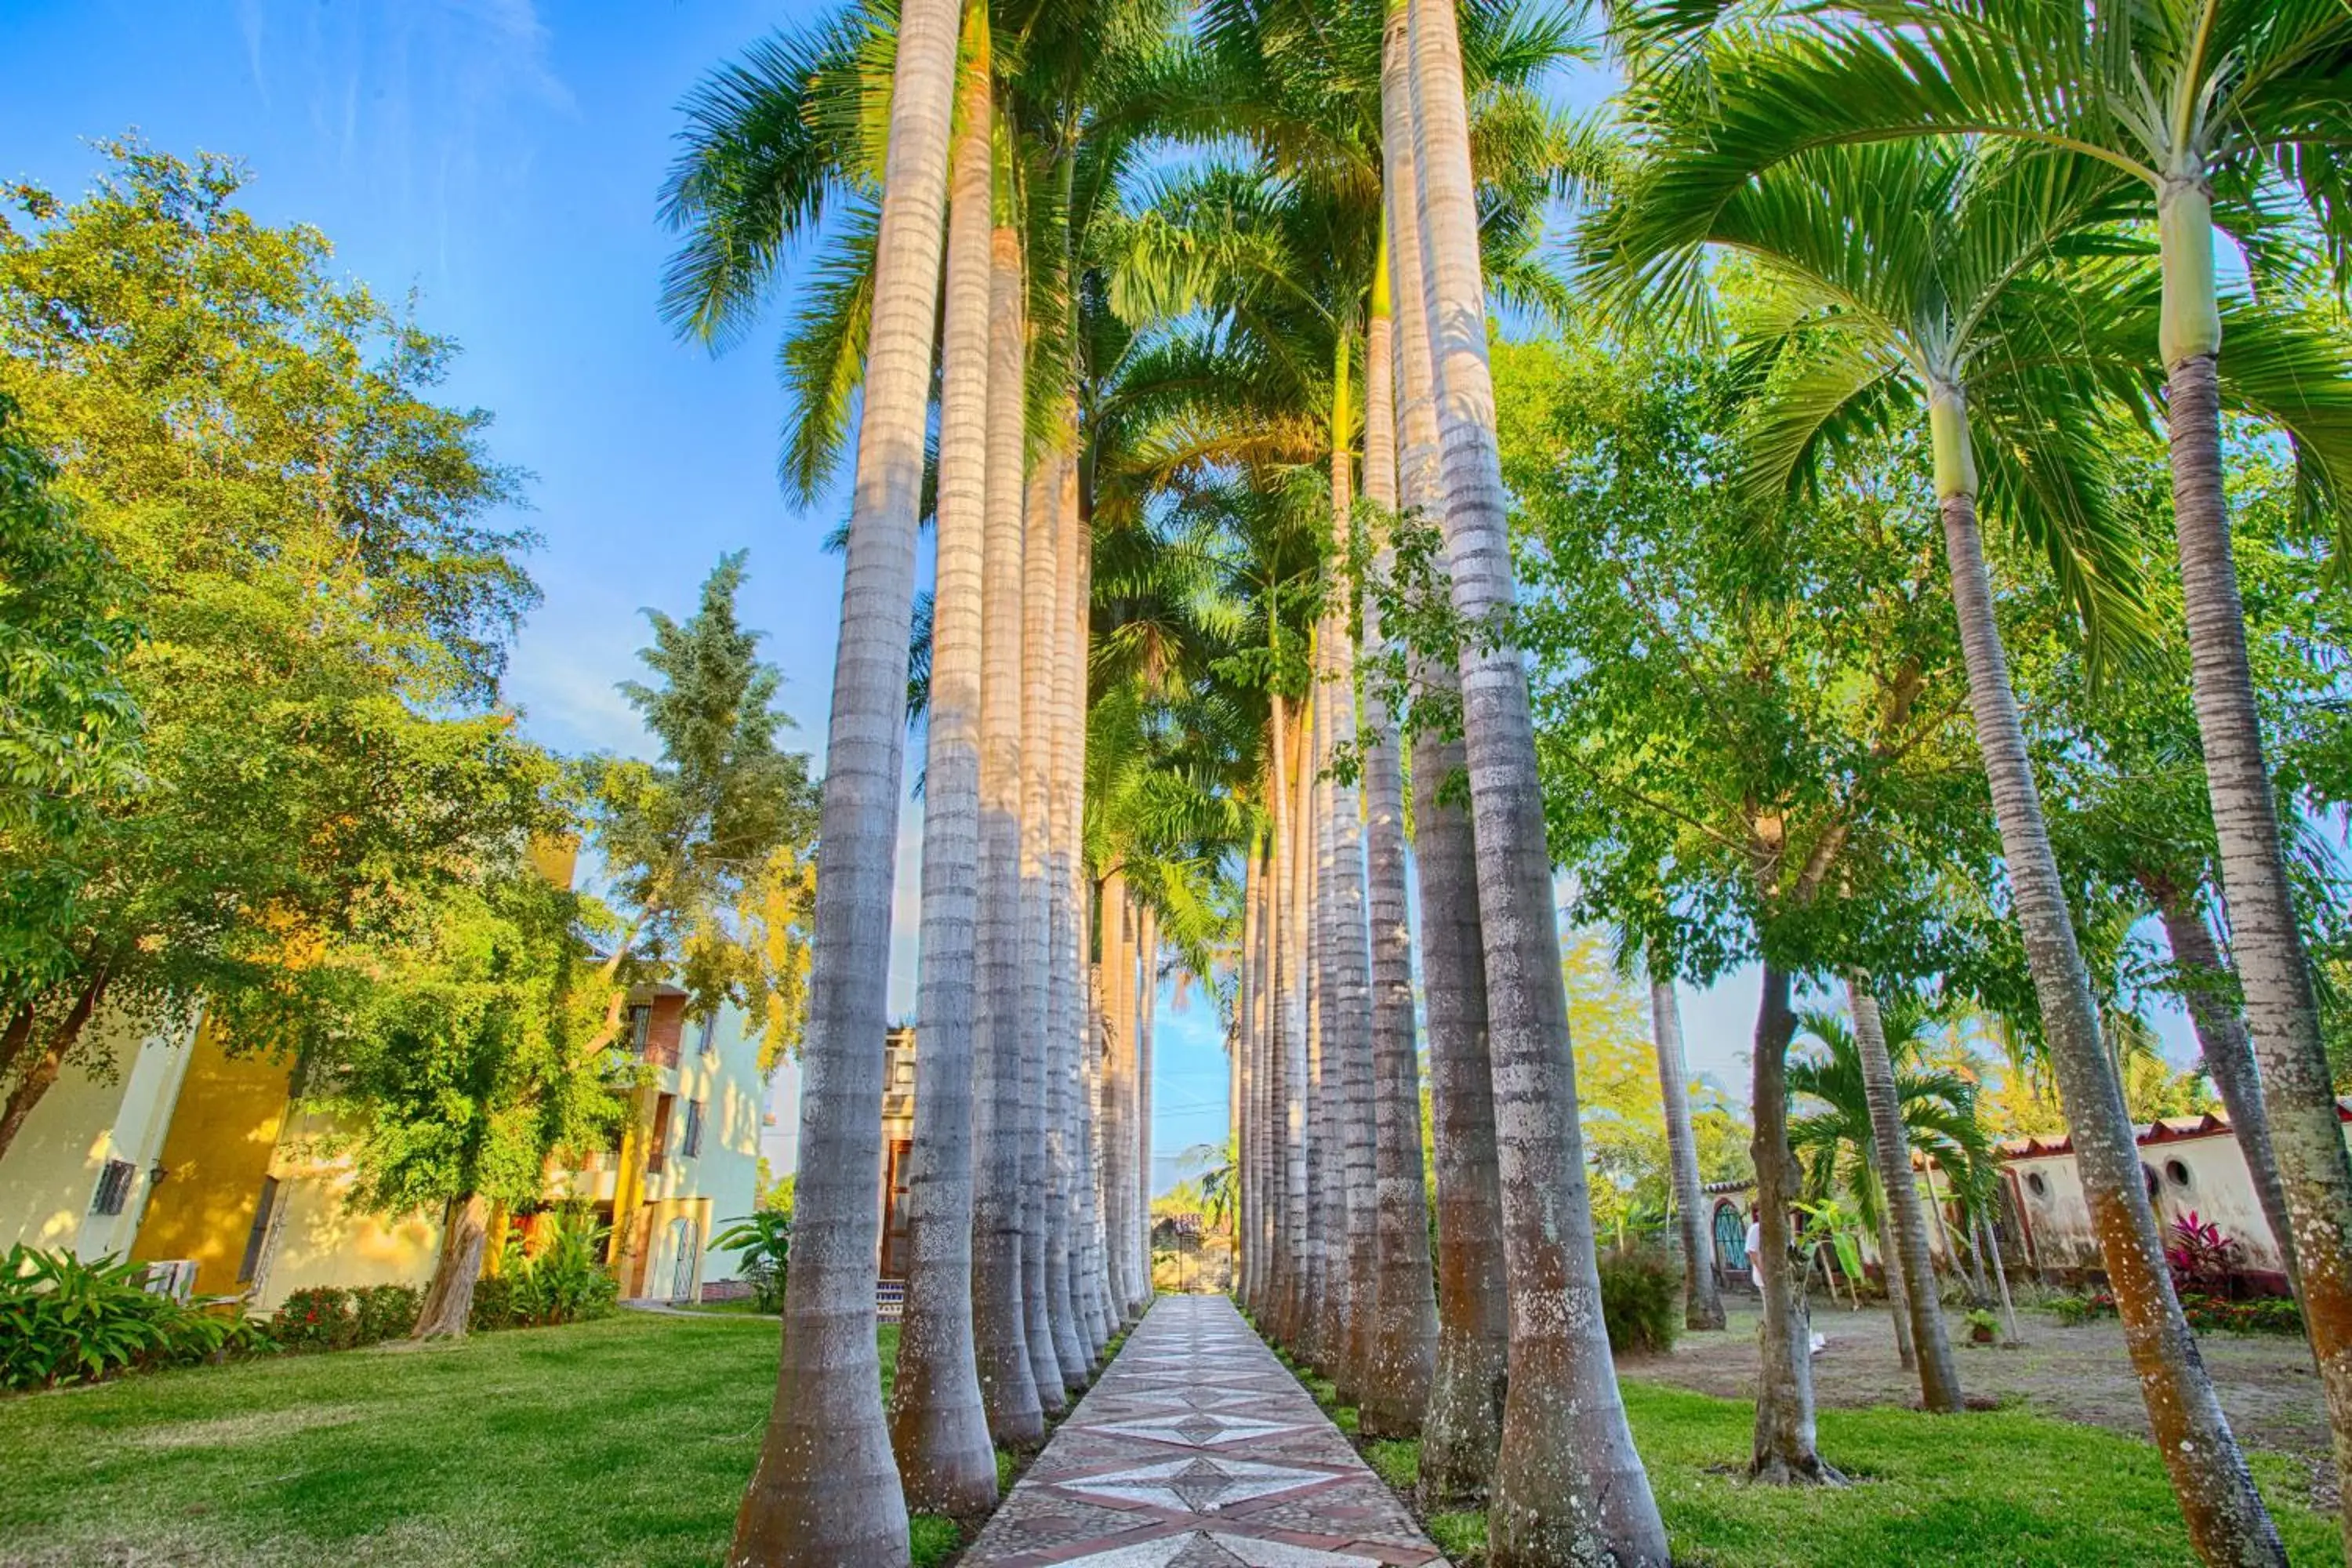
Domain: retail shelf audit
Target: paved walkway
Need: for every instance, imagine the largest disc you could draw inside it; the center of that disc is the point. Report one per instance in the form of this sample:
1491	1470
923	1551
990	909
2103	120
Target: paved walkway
1197	1450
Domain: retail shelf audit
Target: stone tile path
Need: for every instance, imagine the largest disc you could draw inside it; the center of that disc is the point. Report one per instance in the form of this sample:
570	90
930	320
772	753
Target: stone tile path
1197	1450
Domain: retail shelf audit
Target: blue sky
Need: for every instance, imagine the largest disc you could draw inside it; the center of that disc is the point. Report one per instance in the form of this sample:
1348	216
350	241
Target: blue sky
502	160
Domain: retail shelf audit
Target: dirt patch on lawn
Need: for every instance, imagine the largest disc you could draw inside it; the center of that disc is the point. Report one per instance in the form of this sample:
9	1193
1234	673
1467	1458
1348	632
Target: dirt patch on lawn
2080	1373
230	1431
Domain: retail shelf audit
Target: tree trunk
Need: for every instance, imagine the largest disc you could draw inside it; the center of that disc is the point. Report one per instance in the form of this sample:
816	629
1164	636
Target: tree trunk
1006	1120
1119	1093
1899	1296
1066	1013
1569	1485
1244	1116
1461	1428
1890	1154
449	1305
2000	1276
2281	1011
38	1079
938	1426
1401	1348
1147	1000
1784	1450
1040	1140
1085	1032
1702	1303
2227	1521
826	1488
2207	988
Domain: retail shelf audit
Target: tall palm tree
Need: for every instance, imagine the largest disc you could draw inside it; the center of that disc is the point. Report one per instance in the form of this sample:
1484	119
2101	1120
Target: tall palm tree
2193	105
1569	1485
1003	1303
1914	271
1462	1427
938	1426
825	1489
1875	1113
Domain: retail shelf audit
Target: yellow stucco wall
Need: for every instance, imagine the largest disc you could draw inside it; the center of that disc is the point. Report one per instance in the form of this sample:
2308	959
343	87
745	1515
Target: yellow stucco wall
223	1135
318	1238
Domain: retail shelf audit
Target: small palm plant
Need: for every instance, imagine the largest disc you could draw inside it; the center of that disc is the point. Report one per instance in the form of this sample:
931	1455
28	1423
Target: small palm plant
763	1245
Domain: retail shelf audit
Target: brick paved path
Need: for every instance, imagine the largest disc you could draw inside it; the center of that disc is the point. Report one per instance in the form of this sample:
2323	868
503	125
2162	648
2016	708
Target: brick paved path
1197	1450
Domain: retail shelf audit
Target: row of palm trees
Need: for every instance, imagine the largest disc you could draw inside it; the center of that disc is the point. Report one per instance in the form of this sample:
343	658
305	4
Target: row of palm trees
1211	310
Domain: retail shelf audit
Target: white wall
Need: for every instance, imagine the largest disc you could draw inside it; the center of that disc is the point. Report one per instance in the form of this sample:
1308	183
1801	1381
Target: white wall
116	1108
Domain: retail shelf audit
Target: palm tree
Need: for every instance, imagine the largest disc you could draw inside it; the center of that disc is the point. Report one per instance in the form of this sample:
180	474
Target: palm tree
1004	1306
2187	105
1877	1113
938	1426
1914	271
825	1489
1569	1485
1462	1427
1702	1303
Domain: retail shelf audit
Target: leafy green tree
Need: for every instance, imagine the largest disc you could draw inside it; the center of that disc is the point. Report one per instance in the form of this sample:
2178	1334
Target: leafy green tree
325	605
68	727
707	847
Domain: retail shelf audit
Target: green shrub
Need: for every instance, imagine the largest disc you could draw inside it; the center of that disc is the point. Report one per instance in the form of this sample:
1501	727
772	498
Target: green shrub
318	1319
64	1320
931	1539
763	1245
385	1312
2074	1310
494	1304
1641	1300
2262	1315
566	1282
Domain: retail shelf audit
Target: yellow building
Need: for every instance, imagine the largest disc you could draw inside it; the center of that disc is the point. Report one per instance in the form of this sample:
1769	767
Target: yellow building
174	1151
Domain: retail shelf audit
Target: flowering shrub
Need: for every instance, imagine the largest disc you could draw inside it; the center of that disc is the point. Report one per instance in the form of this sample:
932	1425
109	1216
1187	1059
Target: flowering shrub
2262	1315
2201	1258
319	1319
2071	1311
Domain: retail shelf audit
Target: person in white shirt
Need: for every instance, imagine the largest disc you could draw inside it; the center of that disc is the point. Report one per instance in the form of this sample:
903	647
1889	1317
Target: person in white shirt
1755	1246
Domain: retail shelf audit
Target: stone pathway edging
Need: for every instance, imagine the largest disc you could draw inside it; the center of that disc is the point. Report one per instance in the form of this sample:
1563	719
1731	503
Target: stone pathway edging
1197	1449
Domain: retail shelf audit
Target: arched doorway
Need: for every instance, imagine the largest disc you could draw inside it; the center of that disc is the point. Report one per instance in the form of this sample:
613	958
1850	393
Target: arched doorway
1730	1239
685	1242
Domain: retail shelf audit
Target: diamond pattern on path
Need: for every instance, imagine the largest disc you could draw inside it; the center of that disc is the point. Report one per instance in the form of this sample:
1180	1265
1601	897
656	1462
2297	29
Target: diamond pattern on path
1205	1550
1268	1482
1202	1429
1197	1486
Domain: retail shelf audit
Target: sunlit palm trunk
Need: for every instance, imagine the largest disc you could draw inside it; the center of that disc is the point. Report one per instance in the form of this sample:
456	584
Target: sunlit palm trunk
1118	1079
1249	1260
1402	1345
1039	1142
1147	1003
2226	1519
2265	942
1000	1307
1462	1428
1702	1302
1890	1151
1309	898
937	1426
1053	1346
1291	868
825	1490
1569	1486
2208	991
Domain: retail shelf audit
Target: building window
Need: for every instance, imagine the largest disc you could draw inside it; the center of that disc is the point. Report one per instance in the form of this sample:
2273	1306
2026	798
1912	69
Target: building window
2177	1174
641	1024
658	1144
113	1187
2036	1185
710	1042
262	1211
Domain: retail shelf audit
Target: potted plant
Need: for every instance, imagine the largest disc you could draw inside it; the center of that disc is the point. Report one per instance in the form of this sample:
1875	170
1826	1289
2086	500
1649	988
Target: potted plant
1983	1327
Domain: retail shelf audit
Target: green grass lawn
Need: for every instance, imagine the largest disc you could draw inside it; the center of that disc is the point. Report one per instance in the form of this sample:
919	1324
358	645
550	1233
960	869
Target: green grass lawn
628	1441
1998	1487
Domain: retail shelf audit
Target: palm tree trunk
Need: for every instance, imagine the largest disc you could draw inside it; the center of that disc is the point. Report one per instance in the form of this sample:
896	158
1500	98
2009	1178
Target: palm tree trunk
1043	570
1569	1485
1062	1010
2208	985
1001	1303
2265	941
938	1427
1317	1345
2000	1274
1040	1140
1401	1348
1295	866
2227	1521
1085	1025
448	1303
1462	1428
1119	1132
1898	1296
1702	1303
1245	1117
825	1490
1784	1450
1147	1006
1890	1154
